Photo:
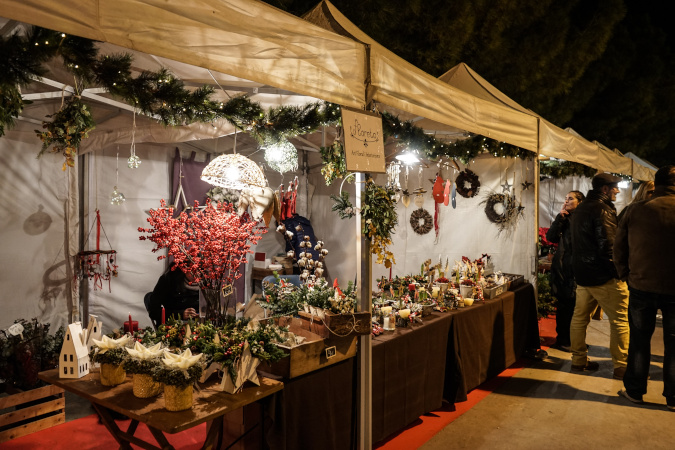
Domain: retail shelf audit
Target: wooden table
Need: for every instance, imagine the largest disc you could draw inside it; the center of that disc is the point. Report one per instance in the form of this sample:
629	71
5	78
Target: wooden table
209	405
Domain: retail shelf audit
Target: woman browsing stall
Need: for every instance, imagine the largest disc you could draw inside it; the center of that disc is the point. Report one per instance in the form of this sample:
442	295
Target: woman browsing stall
563	286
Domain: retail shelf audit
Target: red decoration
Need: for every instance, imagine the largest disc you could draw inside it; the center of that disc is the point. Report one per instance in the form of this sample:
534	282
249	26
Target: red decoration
210	243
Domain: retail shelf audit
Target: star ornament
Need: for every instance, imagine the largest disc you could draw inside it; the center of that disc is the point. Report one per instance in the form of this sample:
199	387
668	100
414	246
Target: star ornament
181	361
526	185
506	187
107	343
246	371
144	353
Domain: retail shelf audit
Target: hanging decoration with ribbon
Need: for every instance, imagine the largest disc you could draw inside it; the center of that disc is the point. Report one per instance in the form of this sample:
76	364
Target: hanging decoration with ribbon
97	265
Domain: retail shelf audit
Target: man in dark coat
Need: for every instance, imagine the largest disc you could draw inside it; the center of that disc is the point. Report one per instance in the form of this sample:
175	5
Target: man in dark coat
593	230
643	254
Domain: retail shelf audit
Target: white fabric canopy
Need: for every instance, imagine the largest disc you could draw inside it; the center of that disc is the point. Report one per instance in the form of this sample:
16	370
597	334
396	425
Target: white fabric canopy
553	141
244	38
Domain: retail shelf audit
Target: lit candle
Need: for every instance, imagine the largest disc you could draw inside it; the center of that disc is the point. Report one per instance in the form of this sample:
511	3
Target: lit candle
163	314
434	291
386	309
404	313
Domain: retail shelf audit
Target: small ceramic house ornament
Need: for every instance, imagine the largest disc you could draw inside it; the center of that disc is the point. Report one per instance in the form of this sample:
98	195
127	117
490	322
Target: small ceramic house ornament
74	357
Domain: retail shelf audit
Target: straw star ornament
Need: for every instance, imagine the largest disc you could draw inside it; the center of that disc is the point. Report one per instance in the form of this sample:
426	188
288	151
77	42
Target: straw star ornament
107	343
183	361
144	353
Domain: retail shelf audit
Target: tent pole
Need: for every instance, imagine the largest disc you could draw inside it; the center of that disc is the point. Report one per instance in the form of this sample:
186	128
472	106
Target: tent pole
365	361
536	225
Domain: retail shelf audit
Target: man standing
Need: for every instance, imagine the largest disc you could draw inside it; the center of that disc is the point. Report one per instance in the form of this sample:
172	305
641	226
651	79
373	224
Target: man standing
643	252
593	230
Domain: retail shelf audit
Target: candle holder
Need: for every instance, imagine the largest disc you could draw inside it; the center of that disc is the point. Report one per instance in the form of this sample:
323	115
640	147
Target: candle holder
401	322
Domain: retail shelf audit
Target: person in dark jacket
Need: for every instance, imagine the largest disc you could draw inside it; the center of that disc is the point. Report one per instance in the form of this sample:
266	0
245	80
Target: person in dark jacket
643	255
563	286
174	292
593	230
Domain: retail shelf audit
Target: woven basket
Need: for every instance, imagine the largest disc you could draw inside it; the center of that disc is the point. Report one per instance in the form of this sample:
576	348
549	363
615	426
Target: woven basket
145	386
177	398
112	375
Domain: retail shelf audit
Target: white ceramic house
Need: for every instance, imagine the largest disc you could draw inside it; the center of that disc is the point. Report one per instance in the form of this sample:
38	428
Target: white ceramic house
94	331
74	358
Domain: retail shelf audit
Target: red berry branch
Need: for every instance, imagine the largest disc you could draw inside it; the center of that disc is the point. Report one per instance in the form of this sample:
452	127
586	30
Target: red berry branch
209	244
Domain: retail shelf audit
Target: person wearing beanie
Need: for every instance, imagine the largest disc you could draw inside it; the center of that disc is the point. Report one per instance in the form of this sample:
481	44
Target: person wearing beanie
593	229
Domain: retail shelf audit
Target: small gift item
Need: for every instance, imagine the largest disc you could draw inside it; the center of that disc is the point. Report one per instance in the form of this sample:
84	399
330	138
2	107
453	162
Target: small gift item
141	362
111	354
178	372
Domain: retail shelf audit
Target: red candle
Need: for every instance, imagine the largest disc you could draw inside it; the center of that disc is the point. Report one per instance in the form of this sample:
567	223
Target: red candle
390	273
163	316
131	325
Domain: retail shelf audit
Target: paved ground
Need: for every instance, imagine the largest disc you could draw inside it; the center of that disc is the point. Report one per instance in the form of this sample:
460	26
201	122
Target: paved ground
547	407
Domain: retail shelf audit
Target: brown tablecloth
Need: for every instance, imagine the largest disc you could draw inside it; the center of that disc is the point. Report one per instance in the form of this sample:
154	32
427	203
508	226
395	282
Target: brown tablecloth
414	369
487	338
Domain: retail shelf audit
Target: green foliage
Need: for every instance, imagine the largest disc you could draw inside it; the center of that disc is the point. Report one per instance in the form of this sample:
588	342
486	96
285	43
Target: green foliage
65	132
115	356
143	367
545	301
334	163
24	355
342	206
177	377
564	169
379	219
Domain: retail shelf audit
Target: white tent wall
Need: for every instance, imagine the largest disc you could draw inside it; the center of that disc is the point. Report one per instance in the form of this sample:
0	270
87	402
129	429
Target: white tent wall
552	196
466	231
33	278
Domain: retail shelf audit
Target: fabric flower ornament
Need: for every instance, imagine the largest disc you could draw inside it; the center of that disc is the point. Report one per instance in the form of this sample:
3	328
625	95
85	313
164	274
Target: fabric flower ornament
181	361
107	343
144	353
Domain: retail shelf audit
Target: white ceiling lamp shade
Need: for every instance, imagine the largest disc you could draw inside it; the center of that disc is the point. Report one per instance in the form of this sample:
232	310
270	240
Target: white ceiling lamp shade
281	156
234	171
409	157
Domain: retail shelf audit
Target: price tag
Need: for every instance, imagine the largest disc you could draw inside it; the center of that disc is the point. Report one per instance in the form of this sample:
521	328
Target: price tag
16	330
330	352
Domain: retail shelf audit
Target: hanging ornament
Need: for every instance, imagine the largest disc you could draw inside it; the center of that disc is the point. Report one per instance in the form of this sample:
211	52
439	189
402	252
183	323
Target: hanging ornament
526	185
97	265
421	221
117	198
134	161
281	156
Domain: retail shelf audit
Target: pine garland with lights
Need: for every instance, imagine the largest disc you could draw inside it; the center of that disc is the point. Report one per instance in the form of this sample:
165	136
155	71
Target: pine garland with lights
564	169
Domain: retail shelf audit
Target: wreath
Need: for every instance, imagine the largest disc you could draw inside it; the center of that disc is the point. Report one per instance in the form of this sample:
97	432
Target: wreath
506	204
421	215
467	177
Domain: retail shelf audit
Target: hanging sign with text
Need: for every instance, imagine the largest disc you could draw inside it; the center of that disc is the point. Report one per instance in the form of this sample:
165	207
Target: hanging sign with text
364	142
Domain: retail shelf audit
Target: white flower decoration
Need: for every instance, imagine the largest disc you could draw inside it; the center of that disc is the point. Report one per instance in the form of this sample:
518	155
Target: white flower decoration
144	353
107	343
183	361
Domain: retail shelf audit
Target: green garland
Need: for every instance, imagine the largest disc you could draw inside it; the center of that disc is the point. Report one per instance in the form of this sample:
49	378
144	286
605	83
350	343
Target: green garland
564	169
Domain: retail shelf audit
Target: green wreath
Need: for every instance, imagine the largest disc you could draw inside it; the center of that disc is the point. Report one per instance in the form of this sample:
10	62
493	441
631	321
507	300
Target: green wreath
467	177
421	215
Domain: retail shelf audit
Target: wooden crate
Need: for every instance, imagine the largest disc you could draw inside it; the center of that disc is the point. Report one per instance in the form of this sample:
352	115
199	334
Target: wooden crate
337	325
30	411
315	353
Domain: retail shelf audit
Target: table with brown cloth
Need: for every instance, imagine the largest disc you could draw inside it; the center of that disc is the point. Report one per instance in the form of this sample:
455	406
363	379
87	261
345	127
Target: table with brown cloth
487	338
316	410
408	373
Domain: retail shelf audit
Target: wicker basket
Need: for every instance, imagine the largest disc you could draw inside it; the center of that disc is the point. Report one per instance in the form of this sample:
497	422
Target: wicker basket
145	386
177	398
112	375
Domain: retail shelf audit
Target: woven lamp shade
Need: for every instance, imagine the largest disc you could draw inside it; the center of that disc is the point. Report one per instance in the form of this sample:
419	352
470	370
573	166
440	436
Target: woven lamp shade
234	171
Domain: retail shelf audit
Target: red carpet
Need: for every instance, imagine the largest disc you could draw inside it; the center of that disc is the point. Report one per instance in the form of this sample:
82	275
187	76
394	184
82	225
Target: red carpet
428	425
86	433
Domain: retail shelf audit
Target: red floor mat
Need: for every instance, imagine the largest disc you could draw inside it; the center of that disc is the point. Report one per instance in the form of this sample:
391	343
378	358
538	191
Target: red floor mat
86	434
